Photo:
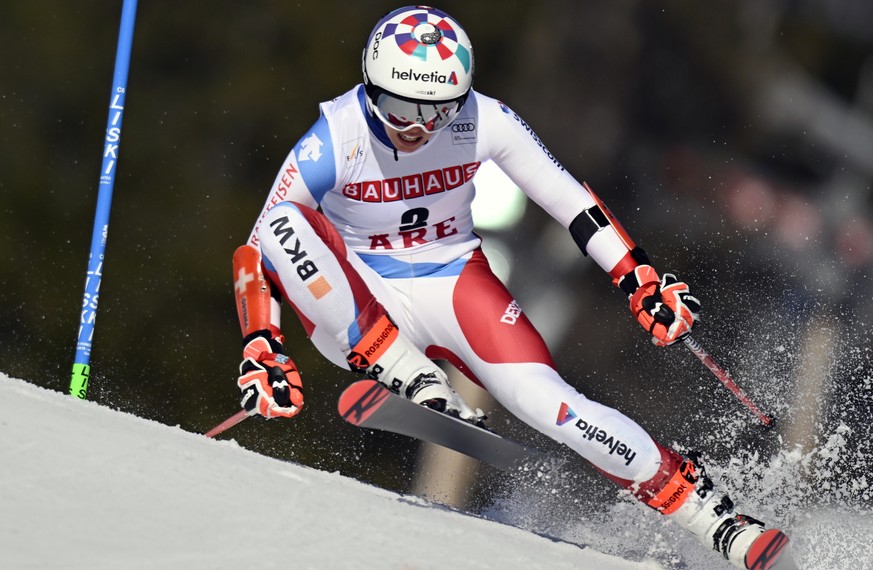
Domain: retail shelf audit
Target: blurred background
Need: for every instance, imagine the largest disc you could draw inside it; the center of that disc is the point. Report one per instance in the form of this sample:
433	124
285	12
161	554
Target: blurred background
733	138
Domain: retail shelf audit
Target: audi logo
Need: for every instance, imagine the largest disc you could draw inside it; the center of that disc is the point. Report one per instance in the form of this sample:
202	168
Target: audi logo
463	127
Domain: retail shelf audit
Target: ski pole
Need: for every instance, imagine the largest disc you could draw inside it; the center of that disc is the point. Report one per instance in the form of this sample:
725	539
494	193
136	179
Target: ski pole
228	423
81	364
726	379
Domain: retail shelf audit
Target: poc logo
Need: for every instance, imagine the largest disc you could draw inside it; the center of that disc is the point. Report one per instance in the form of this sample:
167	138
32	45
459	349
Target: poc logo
375	47
463	127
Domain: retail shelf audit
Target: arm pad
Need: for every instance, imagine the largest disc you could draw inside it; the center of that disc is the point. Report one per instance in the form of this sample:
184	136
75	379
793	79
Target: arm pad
252	291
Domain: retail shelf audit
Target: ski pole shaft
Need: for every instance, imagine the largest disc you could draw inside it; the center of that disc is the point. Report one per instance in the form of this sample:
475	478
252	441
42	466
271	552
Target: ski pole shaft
81	365
228	423
726	379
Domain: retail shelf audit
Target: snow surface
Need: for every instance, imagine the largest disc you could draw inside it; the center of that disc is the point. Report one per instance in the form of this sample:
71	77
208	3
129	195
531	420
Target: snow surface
84	486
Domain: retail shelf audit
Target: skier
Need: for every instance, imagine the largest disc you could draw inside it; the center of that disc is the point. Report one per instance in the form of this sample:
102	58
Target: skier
389	273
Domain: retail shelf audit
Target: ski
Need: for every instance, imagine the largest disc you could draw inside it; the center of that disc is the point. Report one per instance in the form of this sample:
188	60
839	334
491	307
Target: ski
770	552
368	404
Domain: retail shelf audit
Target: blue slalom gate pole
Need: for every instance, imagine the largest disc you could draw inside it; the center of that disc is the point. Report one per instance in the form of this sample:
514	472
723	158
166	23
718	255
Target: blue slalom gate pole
82	362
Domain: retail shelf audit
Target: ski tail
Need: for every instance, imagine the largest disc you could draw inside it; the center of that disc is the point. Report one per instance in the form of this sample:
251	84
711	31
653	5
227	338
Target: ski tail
361	400
770	552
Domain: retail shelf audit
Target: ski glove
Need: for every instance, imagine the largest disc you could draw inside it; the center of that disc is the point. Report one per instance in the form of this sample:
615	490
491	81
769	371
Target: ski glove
269	381
664	307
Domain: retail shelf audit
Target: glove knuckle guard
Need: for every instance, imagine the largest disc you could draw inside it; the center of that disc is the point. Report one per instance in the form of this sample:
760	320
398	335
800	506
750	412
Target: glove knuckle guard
270	383
663	306
249	399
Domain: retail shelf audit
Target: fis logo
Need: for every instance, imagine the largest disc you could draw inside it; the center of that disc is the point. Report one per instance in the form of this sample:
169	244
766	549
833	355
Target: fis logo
354	151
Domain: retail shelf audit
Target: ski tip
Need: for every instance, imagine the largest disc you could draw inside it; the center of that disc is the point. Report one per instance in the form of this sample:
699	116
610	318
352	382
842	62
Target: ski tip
360	400
770	552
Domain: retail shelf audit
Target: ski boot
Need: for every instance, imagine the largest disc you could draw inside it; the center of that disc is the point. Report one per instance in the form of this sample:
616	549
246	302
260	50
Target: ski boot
401	367
739	538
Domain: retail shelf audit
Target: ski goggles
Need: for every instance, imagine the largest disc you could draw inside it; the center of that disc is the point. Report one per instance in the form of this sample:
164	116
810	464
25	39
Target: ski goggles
402	114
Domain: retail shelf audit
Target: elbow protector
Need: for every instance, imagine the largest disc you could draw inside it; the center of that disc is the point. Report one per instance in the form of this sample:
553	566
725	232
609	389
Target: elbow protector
586	224
621	255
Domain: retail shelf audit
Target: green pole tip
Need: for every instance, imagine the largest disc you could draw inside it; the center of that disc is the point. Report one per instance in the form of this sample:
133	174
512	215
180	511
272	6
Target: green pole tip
79	380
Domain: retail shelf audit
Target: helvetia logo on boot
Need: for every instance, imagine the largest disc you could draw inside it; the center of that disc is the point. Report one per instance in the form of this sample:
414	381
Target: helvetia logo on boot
565	414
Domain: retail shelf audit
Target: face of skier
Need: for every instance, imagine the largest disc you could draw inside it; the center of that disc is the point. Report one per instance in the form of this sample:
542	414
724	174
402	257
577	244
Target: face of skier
409	140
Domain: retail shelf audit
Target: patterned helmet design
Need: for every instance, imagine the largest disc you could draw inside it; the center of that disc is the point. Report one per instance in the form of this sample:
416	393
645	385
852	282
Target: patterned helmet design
419	53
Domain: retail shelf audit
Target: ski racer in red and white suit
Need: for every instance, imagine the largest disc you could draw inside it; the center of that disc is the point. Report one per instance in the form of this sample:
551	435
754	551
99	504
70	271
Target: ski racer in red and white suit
407	233
368	233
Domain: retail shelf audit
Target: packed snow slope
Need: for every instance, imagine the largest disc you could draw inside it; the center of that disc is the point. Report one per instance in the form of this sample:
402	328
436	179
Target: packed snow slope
86	487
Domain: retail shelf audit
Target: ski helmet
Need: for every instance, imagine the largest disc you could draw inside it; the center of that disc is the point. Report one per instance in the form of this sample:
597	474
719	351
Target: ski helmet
418	68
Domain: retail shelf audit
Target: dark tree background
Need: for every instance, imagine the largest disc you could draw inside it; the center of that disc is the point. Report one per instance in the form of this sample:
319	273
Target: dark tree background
733	138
